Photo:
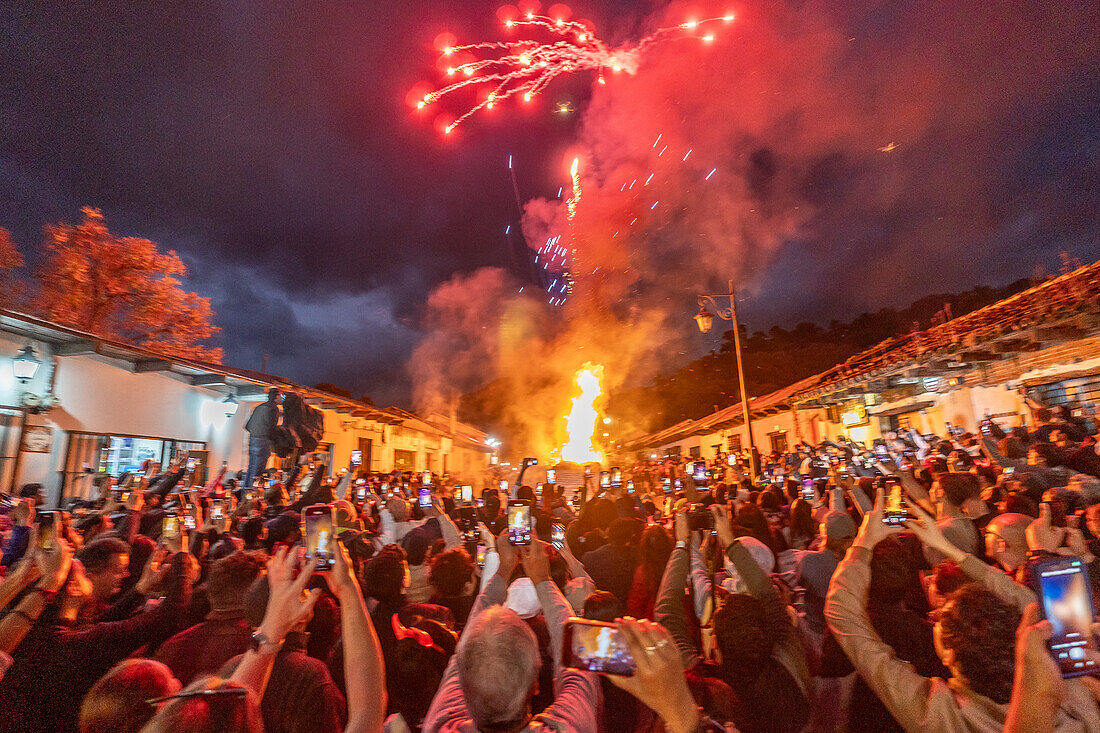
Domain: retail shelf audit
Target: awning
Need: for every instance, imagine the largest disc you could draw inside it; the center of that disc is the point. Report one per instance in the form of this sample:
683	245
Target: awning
902	409
1061	373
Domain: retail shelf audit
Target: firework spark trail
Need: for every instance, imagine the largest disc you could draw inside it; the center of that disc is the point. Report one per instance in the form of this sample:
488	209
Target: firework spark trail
526	67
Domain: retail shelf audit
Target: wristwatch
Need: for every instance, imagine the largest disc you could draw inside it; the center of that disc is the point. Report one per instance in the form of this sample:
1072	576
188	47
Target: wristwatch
260	644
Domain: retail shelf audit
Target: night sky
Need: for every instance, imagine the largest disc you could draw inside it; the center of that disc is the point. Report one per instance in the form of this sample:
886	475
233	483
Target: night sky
271	145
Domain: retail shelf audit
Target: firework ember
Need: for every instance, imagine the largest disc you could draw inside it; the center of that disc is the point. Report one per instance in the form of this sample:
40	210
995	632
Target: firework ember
526	67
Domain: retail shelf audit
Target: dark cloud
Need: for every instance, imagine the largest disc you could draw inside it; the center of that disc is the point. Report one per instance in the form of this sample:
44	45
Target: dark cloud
270	144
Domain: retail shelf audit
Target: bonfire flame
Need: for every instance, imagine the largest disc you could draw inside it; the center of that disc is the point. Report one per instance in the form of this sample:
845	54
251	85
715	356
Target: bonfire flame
580	423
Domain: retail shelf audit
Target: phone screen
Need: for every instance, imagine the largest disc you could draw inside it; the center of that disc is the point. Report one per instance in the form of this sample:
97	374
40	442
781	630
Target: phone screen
596	647
895	514
46	529
557	535
190	464
605	479
356	457
551	476
361	493
666	485
216	510
319	535
188	522
425	498
700	471
630	487
170	526
519	523
426	478
503	484
480	555
616	476
1067	604
467	494
808	489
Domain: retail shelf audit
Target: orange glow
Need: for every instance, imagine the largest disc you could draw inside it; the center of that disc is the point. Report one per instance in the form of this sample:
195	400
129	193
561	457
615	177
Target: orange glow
580	423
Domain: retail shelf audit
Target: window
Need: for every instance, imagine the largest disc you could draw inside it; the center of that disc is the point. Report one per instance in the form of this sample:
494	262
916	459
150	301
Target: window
675	450
693	451
778	441
735	443
404	460
114	455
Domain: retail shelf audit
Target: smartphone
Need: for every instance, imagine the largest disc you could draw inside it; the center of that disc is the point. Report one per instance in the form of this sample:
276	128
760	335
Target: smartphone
1067	603
1008	471
356	457
480	556
666	485
808	492
47	529
699	471
426	478
557	535
596	647
124	496
895	514
588	470
731	460
1057	513
190	465
170	526
188	521
678	485
630	487
519	523
466	494
503	484
319	535
605	479
216	510
425	498
481	502
551	476
361	493
616	476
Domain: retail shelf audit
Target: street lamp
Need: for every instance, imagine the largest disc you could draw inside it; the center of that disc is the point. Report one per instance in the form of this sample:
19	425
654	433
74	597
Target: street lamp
25	364
705	319
230	405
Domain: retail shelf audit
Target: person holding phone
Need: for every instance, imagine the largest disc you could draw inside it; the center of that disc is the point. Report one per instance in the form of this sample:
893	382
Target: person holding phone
974	637
489	681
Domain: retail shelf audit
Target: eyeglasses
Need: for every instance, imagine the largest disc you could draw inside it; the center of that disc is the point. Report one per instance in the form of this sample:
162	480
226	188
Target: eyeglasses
214	692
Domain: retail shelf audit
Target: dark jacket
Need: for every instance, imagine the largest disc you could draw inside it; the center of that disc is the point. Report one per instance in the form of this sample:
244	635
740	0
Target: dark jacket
261	423
202	649
301	696
57	664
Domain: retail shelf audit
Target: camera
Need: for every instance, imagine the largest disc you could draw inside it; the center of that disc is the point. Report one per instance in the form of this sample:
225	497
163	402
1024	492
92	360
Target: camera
700	518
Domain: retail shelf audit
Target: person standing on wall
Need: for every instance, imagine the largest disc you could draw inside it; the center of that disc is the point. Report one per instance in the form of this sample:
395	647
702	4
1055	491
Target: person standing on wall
261	423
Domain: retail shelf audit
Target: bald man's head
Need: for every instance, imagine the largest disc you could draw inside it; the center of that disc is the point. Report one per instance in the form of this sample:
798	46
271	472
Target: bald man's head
1006	539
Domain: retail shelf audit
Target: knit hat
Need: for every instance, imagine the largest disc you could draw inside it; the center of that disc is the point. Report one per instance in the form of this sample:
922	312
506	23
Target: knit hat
763	556
839	526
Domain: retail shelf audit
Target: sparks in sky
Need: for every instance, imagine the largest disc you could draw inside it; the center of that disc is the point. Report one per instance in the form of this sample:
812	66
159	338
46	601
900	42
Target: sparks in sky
526	67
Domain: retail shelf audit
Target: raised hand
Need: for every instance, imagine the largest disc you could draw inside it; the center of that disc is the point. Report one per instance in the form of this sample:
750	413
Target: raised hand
288	601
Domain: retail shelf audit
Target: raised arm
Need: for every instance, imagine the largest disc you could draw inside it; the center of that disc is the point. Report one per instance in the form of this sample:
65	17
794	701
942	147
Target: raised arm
287	604
364	668
669	607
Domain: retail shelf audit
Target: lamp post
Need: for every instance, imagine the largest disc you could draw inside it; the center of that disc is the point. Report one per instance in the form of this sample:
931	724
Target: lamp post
705	319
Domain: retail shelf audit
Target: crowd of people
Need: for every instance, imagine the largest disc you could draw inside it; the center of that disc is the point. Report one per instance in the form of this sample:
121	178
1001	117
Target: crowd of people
878	587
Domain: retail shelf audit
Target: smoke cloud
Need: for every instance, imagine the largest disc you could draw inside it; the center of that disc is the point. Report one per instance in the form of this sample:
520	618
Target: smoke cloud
872	133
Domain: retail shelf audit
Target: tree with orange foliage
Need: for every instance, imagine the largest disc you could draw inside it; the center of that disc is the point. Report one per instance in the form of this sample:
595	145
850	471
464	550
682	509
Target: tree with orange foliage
122	288
10	259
